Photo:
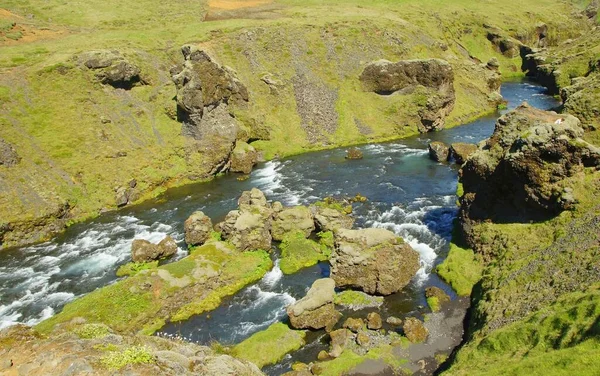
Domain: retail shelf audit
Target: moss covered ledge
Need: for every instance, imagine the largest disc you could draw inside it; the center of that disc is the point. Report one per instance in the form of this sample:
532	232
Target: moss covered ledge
176	291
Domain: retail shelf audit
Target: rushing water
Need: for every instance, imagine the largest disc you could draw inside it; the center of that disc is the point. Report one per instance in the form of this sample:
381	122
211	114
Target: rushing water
408	194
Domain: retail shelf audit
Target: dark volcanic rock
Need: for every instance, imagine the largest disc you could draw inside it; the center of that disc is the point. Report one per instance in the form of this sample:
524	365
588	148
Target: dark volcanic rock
438	151
518	174
435	75
373	260
111	68
8	155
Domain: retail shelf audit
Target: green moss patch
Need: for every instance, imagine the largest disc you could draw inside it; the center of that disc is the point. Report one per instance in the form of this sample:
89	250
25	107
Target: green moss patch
461	269
298	252
434	303
270	345
560	338
133	268
357	299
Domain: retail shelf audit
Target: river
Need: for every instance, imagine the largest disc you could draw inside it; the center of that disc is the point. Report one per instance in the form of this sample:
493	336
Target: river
407	193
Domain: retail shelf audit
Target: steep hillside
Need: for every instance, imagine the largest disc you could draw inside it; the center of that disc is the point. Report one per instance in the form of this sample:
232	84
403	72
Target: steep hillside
533	222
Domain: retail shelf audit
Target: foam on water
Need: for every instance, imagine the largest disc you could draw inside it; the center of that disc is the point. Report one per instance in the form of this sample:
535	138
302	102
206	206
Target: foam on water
52	273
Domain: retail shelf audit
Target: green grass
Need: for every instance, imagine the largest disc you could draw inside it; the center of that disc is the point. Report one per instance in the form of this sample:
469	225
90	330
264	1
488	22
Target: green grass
269	346
298	252
558	339
461	269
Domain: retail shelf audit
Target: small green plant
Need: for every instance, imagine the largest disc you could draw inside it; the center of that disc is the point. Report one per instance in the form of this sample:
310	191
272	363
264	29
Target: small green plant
131	355
91	331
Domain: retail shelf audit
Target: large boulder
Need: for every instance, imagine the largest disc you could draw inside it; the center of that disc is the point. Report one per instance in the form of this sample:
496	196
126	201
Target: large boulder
243	157
519	174
144	251
111	68
8	155
373	260
249	228
438	151
316	310
293	220
434	75
197	228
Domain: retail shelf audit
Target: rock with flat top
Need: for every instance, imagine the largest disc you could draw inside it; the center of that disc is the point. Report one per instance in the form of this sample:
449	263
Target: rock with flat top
373	260
316	309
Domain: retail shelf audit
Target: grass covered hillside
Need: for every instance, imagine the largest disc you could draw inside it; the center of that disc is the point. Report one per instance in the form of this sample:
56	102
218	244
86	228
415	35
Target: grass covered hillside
72	145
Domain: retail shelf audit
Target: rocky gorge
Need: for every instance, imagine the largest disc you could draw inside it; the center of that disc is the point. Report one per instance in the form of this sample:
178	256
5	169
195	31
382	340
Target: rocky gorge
374	285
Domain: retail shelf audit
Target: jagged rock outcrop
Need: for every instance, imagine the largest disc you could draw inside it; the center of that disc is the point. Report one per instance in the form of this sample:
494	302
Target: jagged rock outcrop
144	251
8	154
197	228
204	86
460	151
207	94
435	75
535	65
373	260
316	310
518	174
438	151
581	99
504	44
92	349
111	68
249	227
297	219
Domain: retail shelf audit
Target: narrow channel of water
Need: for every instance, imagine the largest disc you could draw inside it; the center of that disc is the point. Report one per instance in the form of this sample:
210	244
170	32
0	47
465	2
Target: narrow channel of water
408	193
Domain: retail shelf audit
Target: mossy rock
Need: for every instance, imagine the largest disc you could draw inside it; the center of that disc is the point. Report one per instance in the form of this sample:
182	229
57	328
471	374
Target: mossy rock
298	252
270	345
